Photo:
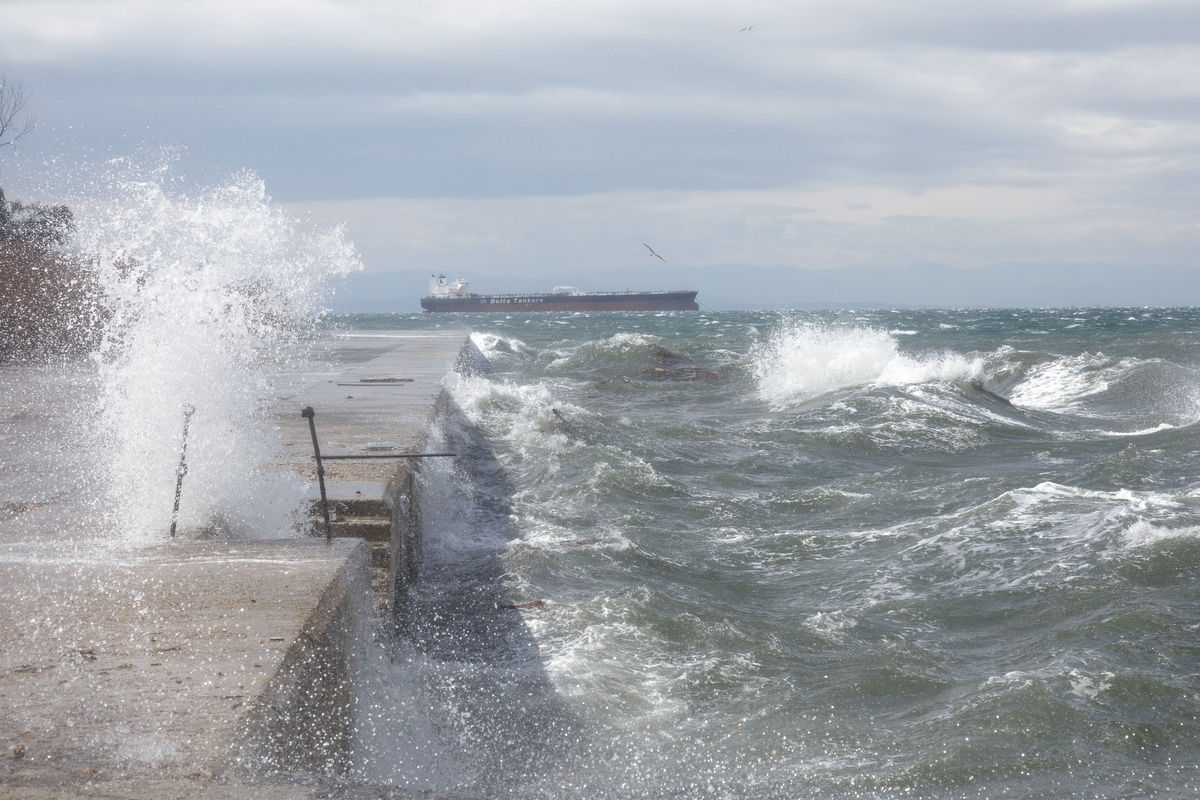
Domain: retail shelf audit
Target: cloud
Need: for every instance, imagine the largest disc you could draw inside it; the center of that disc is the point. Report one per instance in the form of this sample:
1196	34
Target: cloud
972	131
961	226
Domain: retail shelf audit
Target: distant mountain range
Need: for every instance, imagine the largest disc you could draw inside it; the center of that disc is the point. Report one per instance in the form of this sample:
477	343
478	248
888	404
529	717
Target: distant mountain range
739	286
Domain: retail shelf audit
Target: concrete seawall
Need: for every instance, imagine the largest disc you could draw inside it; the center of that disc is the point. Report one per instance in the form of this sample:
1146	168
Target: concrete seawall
152	674
383	405
222	668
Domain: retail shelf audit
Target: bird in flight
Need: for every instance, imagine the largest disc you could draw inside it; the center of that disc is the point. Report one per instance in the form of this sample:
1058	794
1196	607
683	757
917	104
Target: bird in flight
743	30
656	255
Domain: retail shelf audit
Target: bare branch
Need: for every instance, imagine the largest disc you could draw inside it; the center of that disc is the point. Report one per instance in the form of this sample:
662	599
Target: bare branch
15	122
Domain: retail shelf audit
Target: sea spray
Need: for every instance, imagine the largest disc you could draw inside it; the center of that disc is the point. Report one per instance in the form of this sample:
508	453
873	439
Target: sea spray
1062	384
804	360
200	292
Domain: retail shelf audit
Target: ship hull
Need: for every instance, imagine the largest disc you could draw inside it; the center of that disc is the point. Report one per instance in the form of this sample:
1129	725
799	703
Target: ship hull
522	303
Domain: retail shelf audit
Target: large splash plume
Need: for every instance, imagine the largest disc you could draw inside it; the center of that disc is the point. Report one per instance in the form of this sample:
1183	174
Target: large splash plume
202	293
804	360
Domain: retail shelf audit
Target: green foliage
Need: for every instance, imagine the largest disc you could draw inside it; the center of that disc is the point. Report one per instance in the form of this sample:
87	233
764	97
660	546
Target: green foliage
33	224
50	305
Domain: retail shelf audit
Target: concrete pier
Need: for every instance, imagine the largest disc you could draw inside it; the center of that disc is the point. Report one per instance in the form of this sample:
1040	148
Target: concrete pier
383	405
221	668
150	674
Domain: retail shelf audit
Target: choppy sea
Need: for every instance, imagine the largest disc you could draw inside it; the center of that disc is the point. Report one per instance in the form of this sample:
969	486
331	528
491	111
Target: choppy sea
837	554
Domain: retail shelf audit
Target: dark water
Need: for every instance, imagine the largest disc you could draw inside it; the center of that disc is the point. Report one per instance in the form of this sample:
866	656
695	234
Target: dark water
938	554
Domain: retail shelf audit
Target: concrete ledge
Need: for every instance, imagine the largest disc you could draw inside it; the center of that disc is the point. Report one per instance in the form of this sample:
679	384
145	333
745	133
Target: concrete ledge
303	720
150	673
404	551
377	499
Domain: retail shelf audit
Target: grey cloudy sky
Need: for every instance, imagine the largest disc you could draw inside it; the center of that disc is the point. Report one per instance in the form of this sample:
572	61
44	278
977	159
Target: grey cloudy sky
532	137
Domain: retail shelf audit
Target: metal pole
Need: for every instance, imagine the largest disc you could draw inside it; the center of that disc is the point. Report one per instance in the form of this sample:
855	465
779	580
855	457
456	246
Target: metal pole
307	413
395	455
188	410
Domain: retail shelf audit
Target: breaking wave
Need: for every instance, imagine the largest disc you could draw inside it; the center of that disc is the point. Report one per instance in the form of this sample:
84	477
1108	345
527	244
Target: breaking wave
1062	384
806	360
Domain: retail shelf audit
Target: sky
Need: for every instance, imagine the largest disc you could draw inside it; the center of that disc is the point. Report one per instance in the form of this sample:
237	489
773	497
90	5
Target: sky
534	138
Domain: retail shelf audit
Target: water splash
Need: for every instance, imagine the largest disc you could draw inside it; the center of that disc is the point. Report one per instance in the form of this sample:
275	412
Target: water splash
200	291
805	360
494	347
1063	384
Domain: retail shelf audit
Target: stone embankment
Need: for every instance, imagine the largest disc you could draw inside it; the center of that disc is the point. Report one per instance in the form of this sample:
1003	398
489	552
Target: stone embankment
220	668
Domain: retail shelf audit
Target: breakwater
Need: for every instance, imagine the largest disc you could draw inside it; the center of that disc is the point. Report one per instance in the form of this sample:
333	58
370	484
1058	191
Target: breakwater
211	663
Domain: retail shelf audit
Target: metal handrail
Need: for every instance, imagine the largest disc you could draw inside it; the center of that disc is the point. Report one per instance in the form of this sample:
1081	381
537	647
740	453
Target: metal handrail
188	410
395	455
308	413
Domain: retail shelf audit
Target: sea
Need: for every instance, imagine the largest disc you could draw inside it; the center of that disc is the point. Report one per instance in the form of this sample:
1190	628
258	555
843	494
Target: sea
713	554
789	554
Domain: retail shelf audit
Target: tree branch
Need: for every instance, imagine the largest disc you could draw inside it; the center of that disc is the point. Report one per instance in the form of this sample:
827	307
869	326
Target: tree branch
12	107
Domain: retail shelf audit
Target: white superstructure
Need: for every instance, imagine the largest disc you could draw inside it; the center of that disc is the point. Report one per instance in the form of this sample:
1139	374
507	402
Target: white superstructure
440	287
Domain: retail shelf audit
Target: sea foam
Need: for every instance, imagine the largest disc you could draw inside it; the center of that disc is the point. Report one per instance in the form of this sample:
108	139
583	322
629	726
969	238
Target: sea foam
1062	384
805	360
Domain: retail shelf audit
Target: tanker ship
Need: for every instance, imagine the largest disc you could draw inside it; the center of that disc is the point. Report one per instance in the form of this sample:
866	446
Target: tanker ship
452	295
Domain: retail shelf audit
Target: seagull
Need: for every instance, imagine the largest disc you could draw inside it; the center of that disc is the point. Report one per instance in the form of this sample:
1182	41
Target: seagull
656	255
743	30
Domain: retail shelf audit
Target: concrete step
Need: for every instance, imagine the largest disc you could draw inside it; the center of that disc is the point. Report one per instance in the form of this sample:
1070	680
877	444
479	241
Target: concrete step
372	529
379	555
365	507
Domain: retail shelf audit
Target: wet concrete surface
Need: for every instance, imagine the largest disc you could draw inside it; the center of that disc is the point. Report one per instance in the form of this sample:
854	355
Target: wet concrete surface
194	668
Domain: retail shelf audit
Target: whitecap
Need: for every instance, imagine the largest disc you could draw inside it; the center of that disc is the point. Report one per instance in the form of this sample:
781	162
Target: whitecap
831	626
1143	533
803	361
494	346
1163	426
1089	687
1063	384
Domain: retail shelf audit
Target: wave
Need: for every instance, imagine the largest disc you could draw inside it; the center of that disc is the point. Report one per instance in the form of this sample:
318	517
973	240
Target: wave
1066	531
1122	396
1143	533
1137	501
523	416
1162	426
807	360
496	347
612	351
1063	384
